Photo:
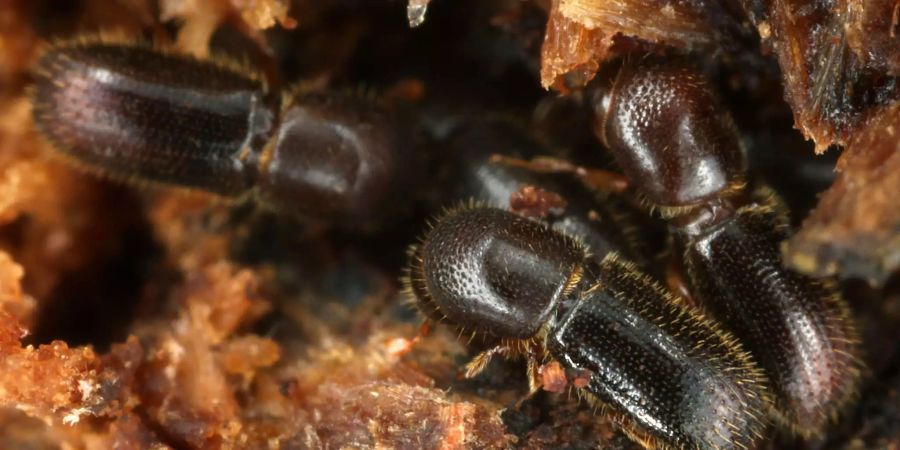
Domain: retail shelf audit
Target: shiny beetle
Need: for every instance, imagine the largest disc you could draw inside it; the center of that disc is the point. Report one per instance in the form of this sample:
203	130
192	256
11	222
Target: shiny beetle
135	113
671	377
672	138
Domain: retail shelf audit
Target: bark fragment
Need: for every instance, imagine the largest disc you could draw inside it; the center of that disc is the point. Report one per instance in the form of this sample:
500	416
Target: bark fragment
855	229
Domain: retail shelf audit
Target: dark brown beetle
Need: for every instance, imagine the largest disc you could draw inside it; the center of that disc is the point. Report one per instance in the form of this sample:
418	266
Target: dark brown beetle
670	377
679	147
139	114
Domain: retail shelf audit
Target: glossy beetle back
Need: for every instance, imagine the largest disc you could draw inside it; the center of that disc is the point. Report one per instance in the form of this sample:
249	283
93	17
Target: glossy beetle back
138	114
491	271
333	157
669	134
797	328
673	377
603	224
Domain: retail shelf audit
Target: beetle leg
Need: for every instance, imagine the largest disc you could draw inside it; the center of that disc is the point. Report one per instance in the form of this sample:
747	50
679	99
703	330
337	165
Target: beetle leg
597	179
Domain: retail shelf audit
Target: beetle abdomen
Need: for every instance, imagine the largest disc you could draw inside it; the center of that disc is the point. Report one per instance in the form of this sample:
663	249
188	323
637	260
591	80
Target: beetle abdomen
135	113
672	376
797	328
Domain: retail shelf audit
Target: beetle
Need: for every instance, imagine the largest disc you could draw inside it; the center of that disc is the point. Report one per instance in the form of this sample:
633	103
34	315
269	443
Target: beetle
669	134
670	376
145	115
